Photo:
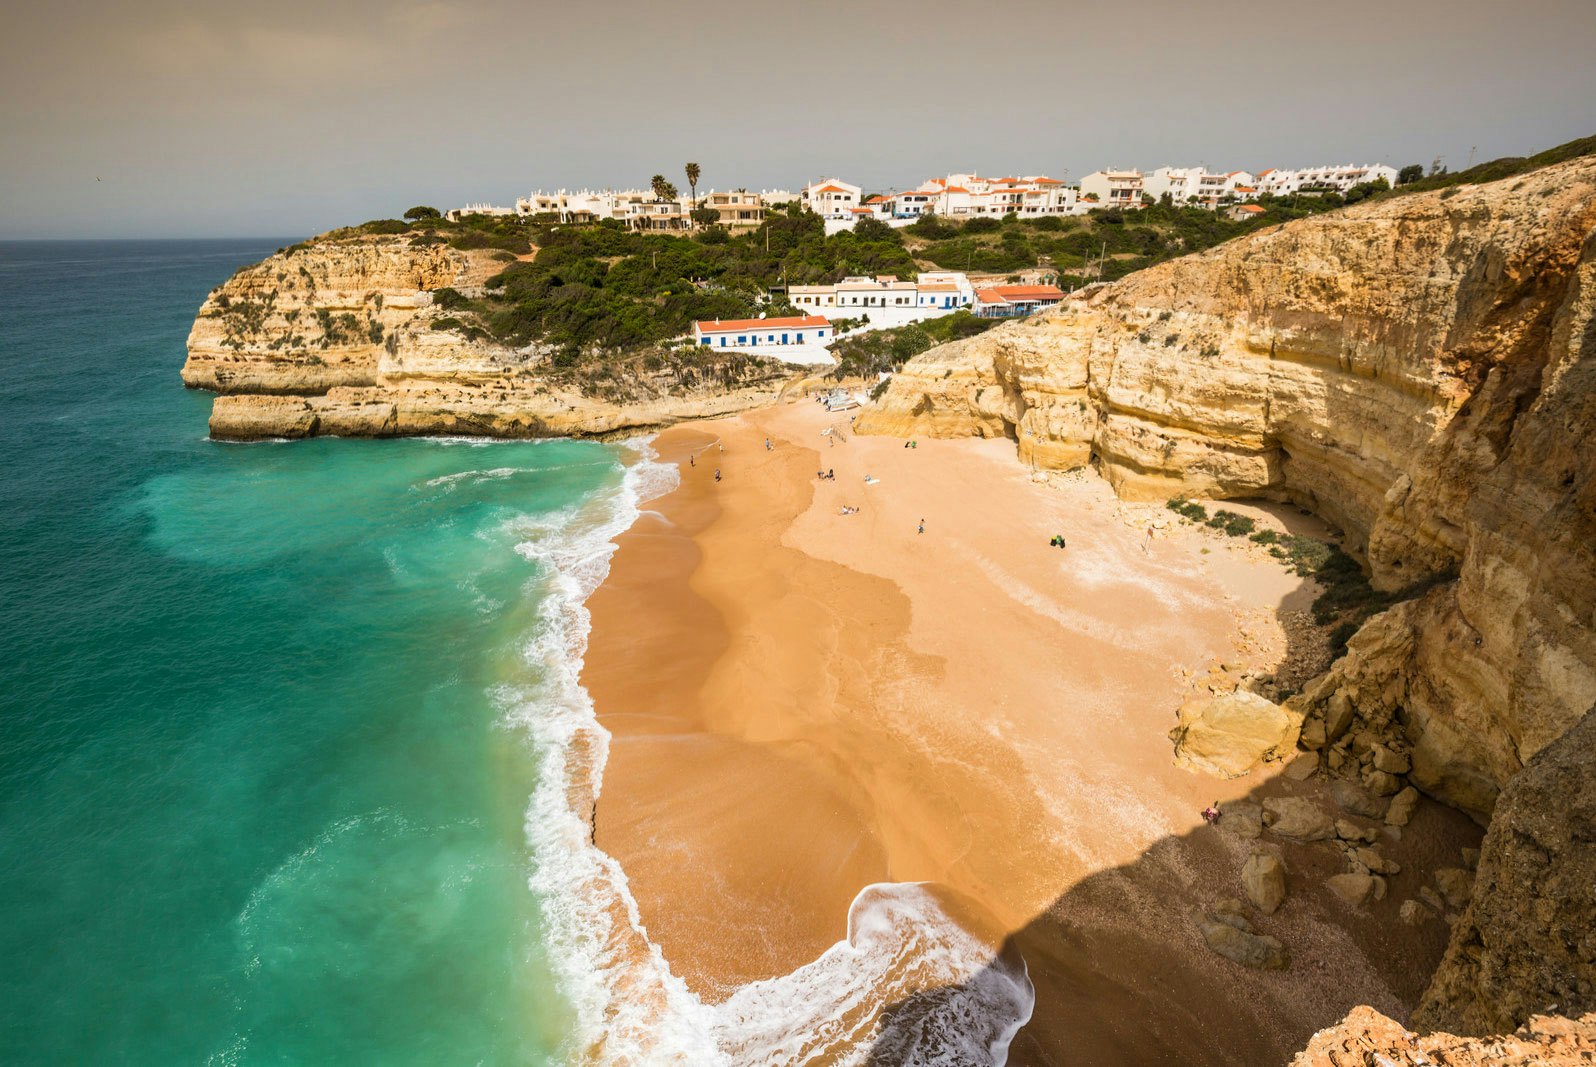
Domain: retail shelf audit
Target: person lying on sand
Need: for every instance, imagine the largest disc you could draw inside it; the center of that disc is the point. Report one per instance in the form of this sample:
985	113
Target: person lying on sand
1212	813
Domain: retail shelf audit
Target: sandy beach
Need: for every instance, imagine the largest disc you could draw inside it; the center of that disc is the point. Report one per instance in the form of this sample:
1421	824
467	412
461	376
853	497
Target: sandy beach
804	703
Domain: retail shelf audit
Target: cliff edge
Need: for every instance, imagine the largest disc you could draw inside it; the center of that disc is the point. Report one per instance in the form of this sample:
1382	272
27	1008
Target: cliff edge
343	336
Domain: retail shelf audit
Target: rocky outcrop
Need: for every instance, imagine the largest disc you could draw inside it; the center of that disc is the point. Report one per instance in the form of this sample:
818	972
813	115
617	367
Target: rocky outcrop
1527	941
343	336
1366	1037
1232	734
1421	371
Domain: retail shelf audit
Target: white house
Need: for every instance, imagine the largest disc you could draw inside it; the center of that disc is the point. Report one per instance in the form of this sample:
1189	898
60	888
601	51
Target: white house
456	214
1190	185
884	300
1113	188
1323	179
763	333
832	197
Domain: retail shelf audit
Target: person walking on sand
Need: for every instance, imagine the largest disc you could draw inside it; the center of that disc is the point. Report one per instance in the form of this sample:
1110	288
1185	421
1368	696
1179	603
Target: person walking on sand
717	474
921	528
767	444
692	461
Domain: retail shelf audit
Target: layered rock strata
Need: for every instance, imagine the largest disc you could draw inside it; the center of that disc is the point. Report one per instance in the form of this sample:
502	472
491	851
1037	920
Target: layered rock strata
1421	371
343	336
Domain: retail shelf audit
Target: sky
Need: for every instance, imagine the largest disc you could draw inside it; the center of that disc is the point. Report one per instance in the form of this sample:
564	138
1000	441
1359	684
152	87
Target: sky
184	119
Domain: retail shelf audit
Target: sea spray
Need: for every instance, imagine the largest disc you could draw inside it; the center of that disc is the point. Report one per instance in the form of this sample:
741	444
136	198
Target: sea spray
953	1000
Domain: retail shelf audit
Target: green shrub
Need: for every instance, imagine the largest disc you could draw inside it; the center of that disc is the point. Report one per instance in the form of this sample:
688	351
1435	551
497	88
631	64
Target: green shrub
1187	508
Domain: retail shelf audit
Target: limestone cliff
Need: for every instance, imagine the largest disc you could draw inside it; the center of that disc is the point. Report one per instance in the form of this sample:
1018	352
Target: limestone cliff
1366	1037
342	336
1419	371
1527	942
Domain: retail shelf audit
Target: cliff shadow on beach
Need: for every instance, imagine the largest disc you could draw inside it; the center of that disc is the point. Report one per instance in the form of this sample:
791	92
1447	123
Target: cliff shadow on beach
1122	973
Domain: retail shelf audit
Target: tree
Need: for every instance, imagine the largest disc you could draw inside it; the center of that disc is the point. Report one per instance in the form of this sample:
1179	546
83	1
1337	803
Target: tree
1410	173
663	190
416	214
692	180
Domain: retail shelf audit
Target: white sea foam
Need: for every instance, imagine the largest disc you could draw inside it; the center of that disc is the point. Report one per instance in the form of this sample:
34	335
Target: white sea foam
955	1003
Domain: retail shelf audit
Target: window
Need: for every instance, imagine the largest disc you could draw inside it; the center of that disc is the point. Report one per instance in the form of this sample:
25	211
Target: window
743	340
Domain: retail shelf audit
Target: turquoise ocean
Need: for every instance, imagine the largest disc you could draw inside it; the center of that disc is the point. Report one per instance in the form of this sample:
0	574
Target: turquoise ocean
262	795
295	764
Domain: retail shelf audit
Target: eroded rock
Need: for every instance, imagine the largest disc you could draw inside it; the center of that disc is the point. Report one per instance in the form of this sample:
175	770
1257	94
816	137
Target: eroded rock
1231	734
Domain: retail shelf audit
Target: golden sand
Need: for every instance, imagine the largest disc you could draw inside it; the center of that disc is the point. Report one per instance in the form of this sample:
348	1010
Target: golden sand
804	702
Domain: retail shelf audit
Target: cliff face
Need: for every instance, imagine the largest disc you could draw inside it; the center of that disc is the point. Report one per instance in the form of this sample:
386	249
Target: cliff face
340	336
1419	371
1527	942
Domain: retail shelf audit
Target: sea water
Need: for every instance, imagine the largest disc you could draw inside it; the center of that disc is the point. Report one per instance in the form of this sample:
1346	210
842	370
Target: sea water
258	799
295	765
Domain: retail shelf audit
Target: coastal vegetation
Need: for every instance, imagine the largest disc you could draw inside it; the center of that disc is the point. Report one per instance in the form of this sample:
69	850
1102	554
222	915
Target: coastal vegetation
1347	598
877	352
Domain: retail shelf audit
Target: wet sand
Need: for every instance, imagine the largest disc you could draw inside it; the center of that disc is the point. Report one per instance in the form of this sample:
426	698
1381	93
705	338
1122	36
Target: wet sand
804	703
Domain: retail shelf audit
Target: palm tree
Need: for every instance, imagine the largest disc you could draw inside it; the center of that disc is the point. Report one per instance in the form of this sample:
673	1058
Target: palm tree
692	181
663	190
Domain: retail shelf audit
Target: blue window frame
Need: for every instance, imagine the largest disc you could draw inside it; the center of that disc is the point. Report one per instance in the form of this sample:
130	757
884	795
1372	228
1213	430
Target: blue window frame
743	339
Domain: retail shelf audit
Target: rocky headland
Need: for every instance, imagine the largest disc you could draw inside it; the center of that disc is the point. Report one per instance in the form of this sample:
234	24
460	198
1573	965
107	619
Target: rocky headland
1420	372
343	335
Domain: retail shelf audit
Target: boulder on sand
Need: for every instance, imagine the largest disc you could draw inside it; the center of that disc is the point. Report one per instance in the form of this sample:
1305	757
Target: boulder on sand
1243	946
1230	734
1355	799
1264	877
1299	819
1402	805
1354	889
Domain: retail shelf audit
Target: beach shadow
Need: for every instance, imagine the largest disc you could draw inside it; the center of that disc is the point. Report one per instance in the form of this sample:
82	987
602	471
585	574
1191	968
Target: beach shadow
1122	974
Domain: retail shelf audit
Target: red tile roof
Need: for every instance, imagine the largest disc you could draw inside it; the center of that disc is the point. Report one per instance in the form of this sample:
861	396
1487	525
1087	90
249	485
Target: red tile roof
998	294
831	188
861	211
732	325
879	200
1251	209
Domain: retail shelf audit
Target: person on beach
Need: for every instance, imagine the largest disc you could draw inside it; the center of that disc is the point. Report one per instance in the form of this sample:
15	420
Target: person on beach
767	444
692	461
717	474
831	474
921	528
1212	813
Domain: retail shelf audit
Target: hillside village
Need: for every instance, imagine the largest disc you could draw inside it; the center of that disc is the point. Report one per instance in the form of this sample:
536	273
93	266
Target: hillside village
991	241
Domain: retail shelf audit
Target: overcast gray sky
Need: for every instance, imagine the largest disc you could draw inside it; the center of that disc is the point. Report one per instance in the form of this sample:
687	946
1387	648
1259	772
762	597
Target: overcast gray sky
286	119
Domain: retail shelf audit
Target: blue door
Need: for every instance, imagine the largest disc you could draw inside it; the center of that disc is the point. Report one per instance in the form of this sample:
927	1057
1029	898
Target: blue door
783	338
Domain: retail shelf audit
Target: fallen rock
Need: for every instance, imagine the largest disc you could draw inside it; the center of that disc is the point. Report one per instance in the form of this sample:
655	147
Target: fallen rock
1378	863
1241	817
1231	734
1348	830
1402	806
1264	877
1368	1039
1354	799
1455	885
1298	818
1312	737
1414	914
1382	784
1241	946
1302	768
1353	889
1338	716
1390	762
